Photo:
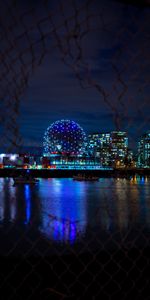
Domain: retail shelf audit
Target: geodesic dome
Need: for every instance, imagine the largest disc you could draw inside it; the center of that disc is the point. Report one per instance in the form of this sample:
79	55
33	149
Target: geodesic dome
64	137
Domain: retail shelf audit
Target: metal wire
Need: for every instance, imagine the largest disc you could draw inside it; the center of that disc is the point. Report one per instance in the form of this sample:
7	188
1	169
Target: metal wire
29	33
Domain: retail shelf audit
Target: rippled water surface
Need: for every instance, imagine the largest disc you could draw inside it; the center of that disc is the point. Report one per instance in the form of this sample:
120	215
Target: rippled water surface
68	212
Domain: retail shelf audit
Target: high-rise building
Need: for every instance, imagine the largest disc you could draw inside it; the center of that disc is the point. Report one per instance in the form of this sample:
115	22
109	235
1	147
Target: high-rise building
98	146
144	150
110	148
119	147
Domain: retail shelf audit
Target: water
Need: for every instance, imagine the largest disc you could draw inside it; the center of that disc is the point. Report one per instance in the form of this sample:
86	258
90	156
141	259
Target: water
60	213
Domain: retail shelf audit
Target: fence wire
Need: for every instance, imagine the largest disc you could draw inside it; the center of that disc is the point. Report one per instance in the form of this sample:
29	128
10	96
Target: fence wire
30	32
100	250
114	263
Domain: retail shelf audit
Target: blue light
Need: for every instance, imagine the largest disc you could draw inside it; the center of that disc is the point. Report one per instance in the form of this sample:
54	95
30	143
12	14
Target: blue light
28	204
68	134
59	221
142	180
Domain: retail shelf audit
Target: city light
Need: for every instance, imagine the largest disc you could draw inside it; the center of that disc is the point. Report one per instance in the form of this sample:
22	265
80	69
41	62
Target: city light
13	157
64	137
99	151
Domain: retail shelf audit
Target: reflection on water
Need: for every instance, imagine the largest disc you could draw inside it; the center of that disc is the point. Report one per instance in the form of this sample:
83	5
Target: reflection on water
64	210
127	197
2	204
12	203
7	200
27	194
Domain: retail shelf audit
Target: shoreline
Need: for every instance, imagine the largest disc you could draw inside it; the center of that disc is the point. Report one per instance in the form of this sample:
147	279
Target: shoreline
52	173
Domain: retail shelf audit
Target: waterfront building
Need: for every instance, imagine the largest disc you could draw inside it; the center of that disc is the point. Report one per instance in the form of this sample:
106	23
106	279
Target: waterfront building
130	159
119	147
144	150
8	159
65	143
45	162
98	146
16	160
64	137
111	148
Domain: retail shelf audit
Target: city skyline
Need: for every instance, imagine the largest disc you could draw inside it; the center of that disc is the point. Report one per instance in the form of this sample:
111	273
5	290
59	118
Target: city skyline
38	148
54	91
65	142
90	76
74	149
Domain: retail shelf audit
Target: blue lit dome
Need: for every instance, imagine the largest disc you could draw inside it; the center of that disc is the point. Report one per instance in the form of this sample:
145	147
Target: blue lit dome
64	137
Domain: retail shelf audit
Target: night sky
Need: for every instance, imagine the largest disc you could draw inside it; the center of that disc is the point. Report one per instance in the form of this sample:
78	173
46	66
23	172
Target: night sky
110	60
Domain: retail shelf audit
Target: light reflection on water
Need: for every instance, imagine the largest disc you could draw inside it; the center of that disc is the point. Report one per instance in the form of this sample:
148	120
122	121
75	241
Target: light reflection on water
64	210
27	194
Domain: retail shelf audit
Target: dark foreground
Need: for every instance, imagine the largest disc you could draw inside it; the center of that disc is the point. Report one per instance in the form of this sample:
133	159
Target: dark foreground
65	239
119	275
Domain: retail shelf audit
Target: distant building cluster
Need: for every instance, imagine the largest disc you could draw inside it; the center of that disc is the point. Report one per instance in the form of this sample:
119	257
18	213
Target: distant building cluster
65	143
110	149
144	150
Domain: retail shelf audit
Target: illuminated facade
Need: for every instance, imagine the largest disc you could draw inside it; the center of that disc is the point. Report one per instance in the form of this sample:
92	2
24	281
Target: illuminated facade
16	160
64	137
119	147
9	159
111	148
98	146
66	147
144	150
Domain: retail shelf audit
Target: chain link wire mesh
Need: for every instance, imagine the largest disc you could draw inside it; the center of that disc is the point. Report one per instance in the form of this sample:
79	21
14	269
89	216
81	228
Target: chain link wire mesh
117	263
29	32
53	256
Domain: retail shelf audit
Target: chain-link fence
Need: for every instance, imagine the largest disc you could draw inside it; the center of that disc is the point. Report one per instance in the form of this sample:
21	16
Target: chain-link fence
118	69
81	240
105	44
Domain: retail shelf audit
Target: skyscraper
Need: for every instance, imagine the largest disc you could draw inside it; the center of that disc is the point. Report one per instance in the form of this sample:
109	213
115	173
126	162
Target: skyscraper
119	147
98	146
109	148
144	150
